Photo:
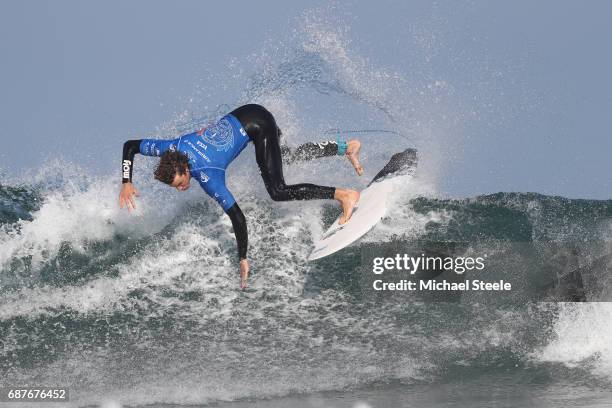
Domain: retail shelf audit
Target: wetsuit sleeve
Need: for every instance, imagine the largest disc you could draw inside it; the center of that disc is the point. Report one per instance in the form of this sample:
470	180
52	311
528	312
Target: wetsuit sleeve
213	182
130	148
240	229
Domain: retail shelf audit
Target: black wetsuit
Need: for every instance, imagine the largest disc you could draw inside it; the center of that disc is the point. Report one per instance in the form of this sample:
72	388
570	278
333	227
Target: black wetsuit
261	128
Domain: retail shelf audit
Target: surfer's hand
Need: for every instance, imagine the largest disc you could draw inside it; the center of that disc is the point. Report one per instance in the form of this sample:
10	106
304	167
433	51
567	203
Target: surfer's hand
244	273
126	196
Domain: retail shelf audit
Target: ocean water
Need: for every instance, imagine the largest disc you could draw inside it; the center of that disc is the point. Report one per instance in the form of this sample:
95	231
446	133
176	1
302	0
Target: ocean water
144	309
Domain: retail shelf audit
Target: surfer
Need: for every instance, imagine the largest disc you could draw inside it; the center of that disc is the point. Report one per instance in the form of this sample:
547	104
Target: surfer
205	154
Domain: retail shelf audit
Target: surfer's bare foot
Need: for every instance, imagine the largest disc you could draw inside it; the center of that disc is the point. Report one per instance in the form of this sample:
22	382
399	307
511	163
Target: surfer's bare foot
352	153
348	199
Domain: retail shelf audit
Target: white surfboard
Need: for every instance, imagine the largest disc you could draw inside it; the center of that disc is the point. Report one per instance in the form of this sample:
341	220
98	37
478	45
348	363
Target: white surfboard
370	208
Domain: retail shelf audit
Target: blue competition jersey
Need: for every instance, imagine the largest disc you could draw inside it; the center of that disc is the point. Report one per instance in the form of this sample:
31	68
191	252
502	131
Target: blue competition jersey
210	151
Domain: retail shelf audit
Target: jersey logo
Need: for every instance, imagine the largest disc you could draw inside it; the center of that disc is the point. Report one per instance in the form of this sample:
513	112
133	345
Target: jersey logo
203	177
220	135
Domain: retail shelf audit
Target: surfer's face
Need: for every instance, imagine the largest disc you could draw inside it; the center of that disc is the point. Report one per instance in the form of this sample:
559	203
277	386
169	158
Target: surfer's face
181	181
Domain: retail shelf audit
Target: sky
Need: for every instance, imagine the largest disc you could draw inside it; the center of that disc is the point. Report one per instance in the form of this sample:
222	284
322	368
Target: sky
79	78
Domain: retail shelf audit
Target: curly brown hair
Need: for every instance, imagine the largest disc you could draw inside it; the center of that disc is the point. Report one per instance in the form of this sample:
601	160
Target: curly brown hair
170	164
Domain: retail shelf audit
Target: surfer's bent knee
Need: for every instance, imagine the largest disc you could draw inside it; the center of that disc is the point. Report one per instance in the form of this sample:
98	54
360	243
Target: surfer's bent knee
277	193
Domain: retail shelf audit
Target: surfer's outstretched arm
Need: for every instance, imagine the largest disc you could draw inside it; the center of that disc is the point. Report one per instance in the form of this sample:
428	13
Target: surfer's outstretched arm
242	240
147	147
240	229
212	181
130	148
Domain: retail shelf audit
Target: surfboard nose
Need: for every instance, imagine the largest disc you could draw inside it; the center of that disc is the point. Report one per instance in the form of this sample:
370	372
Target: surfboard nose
399	164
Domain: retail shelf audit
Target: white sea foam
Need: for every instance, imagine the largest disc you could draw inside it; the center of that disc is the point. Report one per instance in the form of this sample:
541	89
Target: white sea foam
582	337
